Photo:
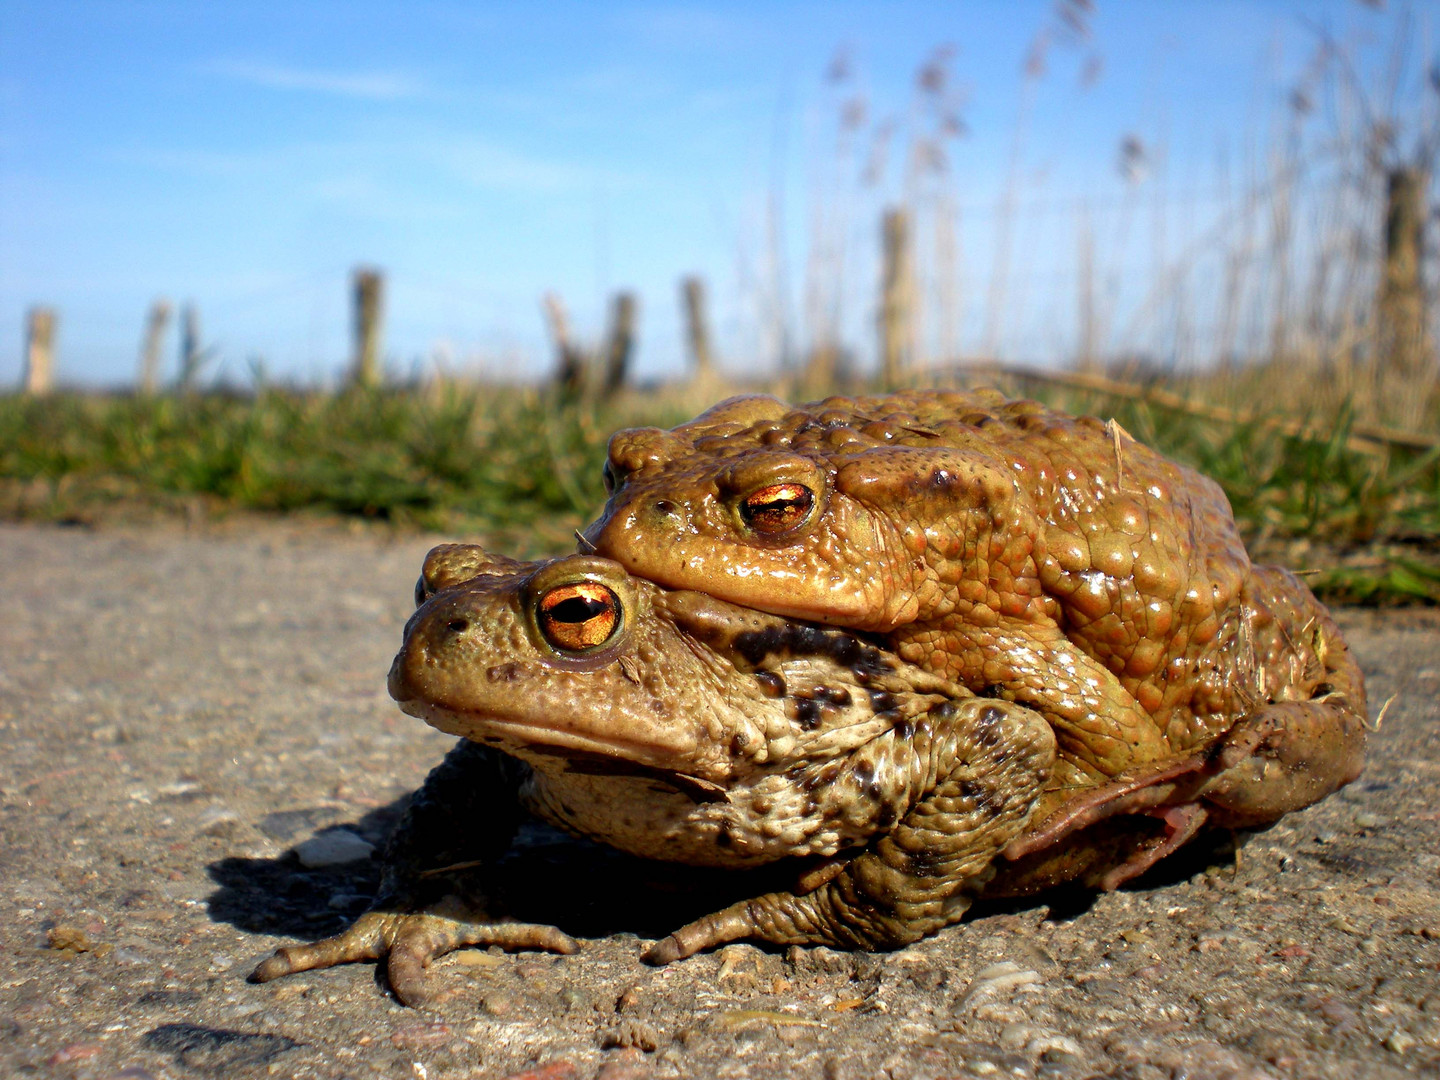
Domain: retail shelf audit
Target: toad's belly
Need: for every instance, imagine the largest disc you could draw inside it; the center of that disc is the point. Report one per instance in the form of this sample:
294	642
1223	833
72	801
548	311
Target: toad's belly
748	825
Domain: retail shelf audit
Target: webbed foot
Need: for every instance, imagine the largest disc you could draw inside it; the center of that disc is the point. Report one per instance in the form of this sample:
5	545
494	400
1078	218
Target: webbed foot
1282	758
408	942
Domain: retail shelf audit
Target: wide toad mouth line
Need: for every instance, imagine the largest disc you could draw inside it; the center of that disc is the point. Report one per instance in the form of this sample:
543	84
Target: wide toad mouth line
580	753
464	722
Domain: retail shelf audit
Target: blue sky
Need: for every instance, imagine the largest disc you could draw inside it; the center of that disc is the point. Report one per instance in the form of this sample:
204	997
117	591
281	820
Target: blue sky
246	156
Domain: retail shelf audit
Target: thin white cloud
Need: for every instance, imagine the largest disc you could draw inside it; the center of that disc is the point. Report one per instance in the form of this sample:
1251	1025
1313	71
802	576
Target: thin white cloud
370	86
689	28
374	169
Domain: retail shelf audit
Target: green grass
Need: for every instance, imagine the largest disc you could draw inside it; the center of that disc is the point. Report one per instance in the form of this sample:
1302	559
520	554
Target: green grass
522	469
511	464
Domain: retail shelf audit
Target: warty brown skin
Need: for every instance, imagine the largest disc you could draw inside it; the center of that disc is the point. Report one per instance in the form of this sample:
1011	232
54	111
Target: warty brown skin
1122	708
1047	559
690	730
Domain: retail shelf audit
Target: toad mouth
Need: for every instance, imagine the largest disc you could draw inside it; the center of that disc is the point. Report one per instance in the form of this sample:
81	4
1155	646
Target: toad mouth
580	754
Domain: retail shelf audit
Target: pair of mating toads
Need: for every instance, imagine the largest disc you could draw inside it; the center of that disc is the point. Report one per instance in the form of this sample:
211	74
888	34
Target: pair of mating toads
927	647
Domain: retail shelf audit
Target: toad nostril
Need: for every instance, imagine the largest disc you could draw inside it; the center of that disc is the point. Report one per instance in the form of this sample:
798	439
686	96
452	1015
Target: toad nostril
458	626
664	506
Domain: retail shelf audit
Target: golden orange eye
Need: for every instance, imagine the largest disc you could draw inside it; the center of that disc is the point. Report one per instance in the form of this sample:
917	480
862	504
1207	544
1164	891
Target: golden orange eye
577	617
777	508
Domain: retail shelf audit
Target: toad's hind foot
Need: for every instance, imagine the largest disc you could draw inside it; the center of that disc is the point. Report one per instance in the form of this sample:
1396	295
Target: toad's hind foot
1284	757
408	943
1182	824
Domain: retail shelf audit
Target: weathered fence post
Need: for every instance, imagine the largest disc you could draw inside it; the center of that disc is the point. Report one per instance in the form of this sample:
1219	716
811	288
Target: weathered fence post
822	369
571	361
620	342
1403	349
369	298
697	328
192	356
897	298
155	324
39	350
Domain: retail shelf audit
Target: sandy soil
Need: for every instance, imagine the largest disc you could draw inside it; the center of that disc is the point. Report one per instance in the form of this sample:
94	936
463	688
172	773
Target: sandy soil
179	711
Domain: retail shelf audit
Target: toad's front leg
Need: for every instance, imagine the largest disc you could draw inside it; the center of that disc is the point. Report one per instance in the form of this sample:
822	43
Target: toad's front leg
432	897
980	766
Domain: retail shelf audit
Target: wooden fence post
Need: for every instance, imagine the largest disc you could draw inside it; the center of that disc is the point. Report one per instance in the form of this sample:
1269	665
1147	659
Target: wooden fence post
1404	363
192	356
369	299
39	350
571	361
697	328
896	298
620	342
155	324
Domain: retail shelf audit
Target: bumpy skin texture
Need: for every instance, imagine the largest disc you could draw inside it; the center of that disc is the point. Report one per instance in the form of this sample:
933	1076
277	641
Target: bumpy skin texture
1048	659
687	729
1046	559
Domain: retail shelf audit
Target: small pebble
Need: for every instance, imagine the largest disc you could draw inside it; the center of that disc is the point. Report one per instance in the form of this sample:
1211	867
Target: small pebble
998	979
333	848
74	1052
1054	1047
497	1004
420	1036
574	998
626	1064
1399	1041
631	1034
219	821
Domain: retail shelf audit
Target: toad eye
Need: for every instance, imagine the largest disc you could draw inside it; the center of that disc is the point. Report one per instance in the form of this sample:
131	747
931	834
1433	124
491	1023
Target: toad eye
575	618
423	591
607	474
777	508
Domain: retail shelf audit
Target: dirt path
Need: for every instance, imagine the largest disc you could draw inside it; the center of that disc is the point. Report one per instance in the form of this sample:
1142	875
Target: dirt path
177	712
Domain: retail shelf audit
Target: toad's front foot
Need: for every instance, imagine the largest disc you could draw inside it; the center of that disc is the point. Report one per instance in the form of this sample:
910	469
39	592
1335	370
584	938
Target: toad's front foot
409	942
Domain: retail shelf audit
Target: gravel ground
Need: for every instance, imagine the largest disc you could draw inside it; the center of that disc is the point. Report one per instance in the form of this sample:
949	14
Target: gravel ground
179	711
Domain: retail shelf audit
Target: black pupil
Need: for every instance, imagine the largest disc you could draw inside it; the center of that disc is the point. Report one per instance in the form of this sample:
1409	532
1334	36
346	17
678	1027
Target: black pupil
779	509
577	609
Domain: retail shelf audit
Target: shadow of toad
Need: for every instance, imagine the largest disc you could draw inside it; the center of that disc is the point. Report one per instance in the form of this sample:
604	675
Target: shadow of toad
547	876
584	888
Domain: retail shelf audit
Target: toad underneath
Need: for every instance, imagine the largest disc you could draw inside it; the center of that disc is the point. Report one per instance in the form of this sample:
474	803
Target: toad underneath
675	726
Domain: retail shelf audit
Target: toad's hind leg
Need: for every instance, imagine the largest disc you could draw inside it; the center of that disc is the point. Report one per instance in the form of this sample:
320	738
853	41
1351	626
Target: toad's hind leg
980	768
1282	756
1288	754
1285	758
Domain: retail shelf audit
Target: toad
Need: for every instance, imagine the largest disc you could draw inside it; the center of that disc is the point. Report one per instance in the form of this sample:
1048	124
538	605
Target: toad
676	726
1039	558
